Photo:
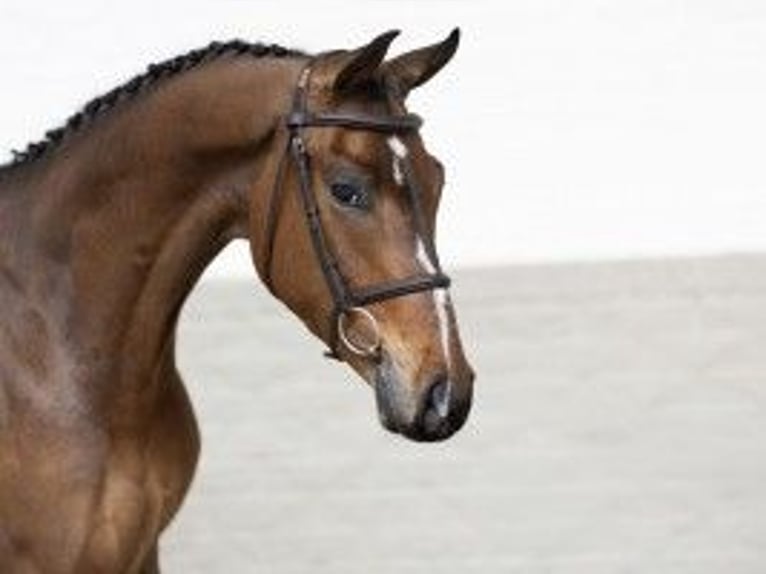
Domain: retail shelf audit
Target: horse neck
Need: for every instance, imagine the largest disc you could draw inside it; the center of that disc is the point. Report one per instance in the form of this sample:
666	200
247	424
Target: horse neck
126	221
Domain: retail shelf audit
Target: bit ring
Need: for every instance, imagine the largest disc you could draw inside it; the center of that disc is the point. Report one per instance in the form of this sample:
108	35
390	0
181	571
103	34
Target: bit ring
366	351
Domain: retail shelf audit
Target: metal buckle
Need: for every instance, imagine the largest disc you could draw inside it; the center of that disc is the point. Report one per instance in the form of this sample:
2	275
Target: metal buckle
371	351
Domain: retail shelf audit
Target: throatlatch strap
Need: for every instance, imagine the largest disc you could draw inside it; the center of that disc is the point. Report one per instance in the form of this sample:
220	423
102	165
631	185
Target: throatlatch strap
272	217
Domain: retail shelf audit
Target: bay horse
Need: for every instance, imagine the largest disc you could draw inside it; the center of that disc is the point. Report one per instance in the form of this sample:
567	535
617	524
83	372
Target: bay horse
106	225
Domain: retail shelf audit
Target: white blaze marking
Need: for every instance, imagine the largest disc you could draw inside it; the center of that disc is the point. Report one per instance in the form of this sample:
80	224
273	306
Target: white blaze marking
441	303
397	147
440	296
423	259
400	152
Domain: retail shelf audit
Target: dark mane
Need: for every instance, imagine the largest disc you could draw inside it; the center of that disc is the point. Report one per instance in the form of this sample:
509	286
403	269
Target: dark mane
129	90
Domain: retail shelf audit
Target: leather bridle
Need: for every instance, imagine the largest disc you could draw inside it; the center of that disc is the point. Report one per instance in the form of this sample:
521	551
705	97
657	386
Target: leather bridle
346	301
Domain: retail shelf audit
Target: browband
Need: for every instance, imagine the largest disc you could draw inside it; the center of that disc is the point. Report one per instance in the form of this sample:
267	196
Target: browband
385	124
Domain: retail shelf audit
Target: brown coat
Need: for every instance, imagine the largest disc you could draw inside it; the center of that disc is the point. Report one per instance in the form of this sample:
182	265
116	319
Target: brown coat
103	236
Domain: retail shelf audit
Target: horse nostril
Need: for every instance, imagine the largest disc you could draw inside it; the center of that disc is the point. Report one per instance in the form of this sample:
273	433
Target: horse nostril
438	398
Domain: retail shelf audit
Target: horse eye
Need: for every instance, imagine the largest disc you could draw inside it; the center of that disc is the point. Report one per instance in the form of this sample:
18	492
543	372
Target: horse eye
349	194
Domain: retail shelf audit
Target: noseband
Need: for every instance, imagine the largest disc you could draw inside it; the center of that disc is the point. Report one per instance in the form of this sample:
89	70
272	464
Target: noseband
347	302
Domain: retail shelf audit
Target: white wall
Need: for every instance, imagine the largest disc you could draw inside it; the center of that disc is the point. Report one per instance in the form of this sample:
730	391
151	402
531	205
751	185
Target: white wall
571	130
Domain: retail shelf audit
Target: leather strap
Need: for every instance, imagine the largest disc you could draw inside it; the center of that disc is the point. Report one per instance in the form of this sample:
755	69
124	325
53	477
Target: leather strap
272	217
393	124
398	288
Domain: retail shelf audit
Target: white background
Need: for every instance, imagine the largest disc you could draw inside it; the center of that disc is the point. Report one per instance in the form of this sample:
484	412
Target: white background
570	130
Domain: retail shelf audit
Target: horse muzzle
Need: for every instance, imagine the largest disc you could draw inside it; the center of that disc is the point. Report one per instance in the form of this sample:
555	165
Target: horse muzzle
429	410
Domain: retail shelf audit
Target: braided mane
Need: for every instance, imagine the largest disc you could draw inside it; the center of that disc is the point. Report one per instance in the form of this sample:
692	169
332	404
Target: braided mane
129	90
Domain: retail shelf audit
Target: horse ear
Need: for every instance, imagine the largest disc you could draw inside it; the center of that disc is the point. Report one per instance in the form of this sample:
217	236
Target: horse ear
359	66
415	68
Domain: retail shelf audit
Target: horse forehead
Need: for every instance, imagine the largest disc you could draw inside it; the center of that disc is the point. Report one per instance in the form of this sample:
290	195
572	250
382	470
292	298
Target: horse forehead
371	148
364	147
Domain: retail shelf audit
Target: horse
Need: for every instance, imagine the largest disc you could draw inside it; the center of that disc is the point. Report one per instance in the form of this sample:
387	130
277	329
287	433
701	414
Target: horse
106	226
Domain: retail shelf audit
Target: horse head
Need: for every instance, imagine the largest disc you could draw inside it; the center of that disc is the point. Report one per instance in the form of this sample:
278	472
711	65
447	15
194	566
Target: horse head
348	240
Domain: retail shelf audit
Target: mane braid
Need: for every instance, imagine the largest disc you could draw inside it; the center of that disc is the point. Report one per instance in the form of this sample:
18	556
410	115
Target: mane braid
154	73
